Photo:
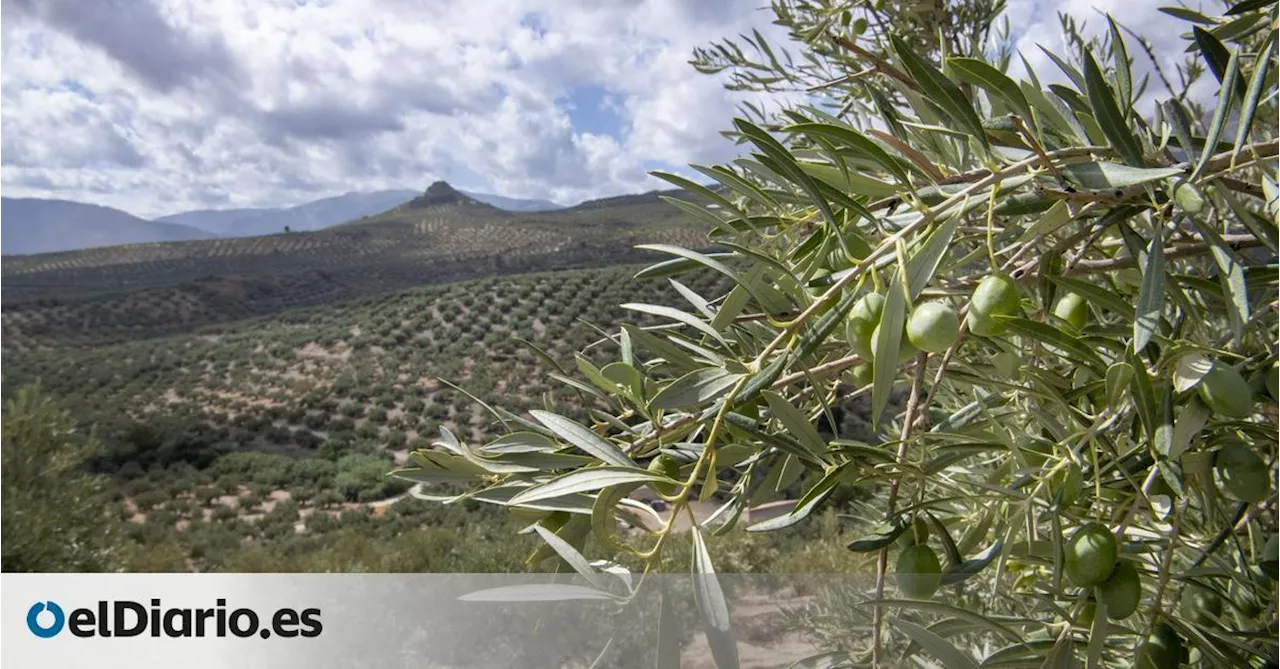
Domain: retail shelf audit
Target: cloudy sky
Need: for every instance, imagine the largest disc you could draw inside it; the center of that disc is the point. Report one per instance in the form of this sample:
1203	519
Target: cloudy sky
160	106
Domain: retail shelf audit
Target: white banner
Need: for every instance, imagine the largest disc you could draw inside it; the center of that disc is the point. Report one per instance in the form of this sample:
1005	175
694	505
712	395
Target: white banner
313	621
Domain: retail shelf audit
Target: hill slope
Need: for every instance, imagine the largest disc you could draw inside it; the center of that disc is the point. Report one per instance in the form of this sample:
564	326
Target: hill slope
310	216
323	213
440	236
512	203
33	225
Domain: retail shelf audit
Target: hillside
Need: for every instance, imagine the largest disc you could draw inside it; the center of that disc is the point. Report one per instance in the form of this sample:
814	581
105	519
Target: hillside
315	215
242	432
322	213
263	445
439	236
32	225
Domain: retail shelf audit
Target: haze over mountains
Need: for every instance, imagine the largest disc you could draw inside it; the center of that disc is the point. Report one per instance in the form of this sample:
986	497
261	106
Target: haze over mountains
45	226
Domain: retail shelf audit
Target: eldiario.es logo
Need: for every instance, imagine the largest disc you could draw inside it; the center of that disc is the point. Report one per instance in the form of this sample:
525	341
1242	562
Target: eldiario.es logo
124	618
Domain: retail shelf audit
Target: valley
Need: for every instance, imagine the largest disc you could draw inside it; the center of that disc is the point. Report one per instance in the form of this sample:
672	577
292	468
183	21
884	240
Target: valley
250	395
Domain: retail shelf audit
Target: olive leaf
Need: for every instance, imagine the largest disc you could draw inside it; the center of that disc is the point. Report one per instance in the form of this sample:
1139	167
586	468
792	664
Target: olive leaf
1108	113
711	604
940	90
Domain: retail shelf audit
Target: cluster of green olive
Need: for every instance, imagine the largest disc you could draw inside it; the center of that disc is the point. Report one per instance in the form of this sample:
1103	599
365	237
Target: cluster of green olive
1240	473
1092	560
932	327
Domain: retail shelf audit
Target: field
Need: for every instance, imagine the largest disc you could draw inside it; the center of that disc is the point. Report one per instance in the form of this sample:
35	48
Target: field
129	292
264	444
250	395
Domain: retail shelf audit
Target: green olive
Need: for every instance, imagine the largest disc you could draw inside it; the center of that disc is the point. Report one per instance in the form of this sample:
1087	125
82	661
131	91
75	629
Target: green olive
1272	381
863	374
984	326
1162	650
1091	555
933	327
1073	309
997	295
1070	481
1122	592
1241	473
1200	605
919	572
1226	392
667	466
905	348
863	320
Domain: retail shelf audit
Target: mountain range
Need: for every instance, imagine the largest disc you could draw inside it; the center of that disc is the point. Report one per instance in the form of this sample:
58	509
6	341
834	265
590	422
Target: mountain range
44	226
33	225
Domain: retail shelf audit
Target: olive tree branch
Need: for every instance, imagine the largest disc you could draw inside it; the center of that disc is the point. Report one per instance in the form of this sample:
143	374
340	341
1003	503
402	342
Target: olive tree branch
877	62
908	422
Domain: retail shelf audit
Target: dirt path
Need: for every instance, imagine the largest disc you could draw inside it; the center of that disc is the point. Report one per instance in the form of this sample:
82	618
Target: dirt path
761	645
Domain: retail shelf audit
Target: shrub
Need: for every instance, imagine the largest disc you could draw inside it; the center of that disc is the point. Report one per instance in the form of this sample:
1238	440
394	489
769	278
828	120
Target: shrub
362	478
53	516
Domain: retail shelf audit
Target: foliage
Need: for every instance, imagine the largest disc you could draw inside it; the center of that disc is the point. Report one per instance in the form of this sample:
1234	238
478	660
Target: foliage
186	425
53	518
943	173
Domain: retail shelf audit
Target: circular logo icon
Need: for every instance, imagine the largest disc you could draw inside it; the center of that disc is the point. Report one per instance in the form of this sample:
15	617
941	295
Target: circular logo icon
45	631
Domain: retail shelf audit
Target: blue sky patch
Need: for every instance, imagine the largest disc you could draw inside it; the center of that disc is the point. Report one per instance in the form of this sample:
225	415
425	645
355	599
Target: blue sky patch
591	109
461	176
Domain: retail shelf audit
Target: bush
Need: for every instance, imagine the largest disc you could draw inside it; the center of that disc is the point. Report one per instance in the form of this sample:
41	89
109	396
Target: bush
362	478
53	516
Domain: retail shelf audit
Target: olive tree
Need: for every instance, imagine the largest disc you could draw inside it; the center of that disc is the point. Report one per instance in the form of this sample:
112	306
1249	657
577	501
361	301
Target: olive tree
1059	299
53	506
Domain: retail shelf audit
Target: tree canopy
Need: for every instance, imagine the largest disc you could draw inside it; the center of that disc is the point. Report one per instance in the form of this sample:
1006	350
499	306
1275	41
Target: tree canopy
1059	299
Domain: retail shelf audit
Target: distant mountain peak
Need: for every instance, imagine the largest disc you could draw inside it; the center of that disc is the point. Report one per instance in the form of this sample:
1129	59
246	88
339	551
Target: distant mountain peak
440	188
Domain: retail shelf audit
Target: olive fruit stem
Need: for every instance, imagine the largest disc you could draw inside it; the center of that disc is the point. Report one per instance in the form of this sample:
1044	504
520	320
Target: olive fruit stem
1162	577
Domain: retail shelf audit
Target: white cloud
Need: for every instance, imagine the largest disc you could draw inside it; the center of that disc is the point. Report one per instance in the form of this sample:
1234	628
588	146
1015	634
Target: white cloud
182	104
1035	24
244	102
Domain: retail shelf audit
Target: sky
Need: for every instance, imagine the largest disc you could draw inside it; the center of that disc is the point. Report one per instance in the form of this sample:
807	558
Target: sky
161	106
